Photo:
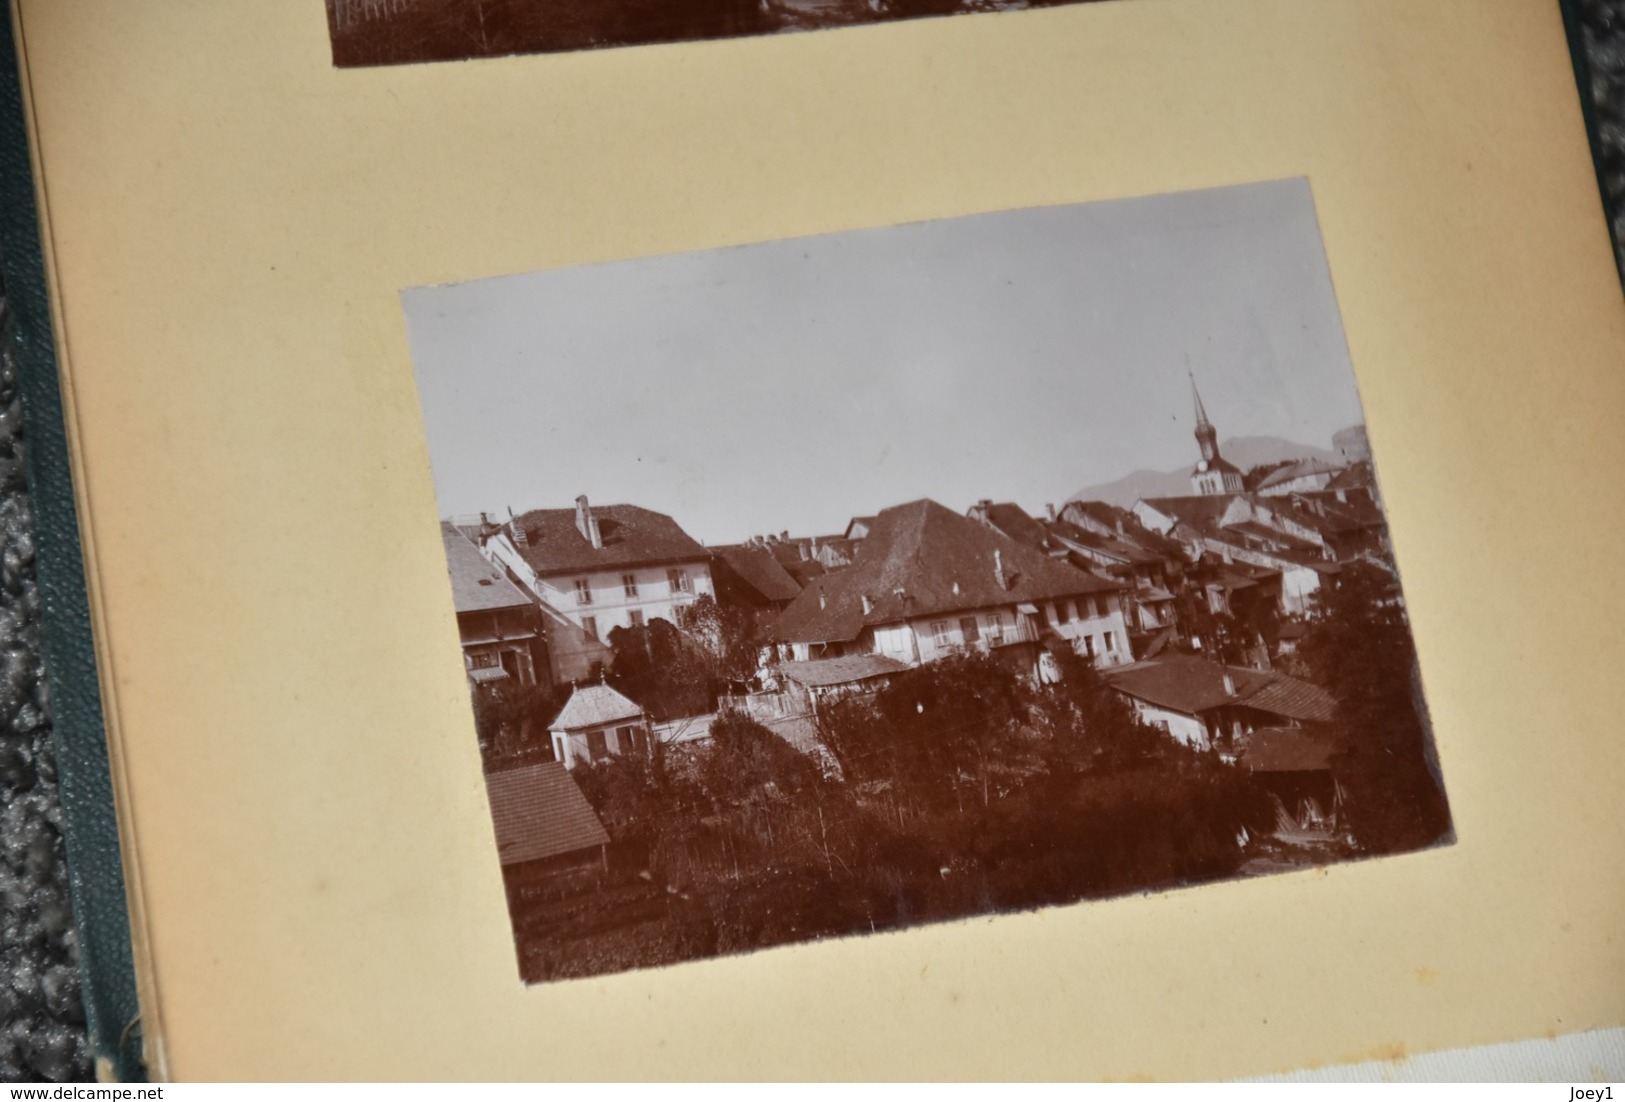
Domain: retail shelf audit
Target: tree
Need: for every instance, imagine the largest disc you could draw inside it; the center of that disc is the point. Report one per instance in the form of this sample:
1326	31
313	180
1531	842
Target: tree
725	634
944	723
661	670
745	760
1094	728
511	722
1358	647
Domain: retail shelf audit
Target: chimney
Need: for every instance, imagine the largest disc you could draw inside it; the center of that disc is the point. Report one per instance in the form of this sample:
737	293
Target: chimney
1049	507
785	535
998	568
823	602
868	605
1229	684
586	524
802	547
1120	526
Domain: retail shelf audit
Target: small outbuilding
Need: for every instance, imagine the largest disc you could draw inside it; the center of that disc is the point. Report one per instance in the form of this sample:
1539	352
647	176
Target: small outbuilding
1295	766
542	819
598	723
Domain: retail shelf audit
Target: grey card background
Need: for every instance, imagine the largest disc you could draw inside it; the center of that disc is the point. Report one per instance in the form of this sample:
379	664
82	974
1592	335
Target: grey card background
814	379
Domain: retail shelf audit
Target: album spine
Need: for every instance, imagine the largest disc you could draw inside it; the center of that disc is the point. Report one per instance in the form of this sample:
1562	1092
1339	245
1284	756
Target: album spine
1574	26
89	821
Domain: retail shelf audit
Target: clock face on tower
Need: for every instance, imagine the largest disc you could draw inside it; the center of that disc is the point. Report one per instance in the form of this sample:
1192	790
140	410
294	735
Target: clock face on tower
1202	466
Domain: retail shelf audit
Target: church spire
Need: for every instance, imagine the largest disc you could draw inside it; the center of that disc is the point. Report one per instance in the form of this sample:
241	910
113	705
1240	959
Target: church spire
1207	437
1213	475
1201	414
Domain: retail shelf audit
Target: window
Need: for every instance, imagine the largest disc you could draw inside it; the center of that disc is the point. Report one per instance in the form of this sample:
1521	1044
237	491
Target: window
1094	606
1071	611
636	616
626	739
629	582
678	580
484	661
583	592
939	633
597	748
589	624
967	628
995	627
1111	643
1088	642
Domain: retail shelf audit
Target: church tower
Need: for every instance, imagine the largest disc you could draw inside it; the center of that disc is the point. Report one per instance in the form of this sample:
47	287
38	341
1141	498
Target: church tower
1214	474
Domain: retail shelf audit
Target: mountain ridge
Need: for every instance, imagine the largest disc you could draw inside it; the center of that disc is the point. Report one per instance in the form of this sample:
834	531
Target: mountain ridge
1245	452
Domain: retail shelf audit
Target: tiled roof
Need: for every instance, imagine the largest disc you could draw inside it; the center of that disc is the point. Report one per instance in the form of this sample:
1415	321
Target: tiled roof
1192	685
1111	546
804	572
1236	538
1286	750
1356	476
1358	512
1156	644
1279	540
1099	511
1303	468
1193	509
630	534
539	812
1287	696
922	559
594	706
755	568
1220	464
821	672
1015	522
477	585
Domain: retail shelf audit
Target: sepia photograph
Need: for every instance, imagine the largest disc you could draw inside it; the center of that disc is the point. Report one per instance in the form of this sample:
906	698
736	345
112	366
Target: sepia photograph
398	32
836	585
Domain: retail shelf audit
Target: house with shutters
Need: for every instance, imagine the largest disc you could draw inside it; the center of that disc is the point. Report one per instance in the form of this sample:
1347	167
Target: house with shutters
931	582
499	626
597	723
593	569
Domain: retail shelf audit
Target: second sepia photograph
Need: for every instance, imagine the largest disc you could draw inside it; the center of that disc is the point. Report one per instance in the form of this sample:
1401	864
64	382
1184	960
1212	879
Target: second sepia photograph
835	585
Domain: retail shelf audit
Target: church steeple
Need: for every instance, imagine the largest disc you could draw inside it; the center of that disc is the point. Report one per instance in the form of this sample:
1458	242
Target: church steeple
1214	474
1207	437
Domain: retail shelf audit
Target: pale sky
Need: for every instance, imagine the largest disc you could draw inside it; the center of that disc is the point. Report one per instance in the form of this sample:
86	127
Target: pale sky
795	384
